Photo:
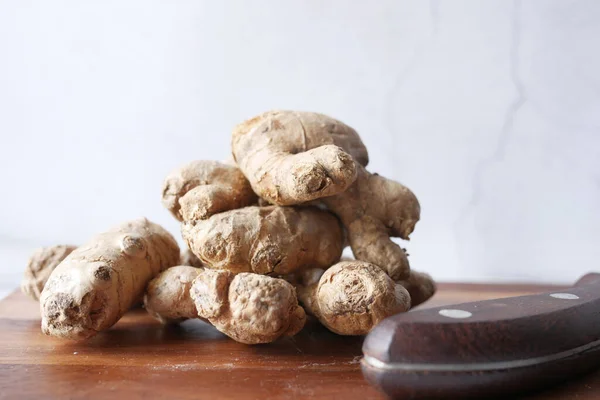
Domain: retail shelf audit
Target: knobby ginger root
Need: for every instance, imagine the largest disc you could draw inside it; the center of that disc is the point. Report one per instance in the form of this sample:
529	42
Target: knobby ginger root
98	282
249	308
373	209
167	296
420	286
351	297
39	267
292	157
266	240
200	189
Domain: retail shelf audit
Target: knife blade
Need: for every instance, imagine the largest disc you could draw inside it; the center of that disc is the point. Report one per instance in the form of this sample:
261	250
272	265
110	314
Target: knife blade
487	348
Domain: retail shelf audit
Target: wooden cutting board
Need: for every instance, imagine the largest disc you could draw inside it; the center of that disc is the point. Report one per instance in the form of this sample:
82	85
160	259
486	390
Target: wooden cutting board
138	358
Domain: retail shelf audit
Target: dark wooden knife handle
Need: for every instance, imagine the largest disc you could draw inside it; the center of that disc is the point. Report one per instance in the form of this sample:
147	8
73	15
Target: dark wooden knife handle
488	348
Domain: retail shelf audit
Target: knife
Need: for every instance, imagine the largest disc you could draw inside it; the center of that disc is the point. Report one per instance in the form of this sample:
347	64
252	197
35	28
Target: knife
487	348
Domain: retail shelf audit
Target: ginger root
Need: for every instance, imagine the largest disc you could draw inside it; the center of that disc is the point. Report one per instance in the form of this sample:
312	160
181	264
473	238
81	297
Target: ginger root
98	282
249	308
420	286
39	267
167	296
297	157
373	209
266	240
351	297
293	157
200	189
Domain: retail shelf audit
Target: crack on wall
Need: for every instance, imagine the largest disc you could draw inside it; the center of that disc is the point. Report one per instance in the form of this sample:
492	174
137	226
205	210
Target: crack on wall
506	132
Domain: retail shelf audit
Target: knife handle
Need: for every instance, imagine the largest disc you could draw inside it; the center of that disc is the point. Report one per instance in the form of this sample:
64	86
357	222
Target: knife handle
487	348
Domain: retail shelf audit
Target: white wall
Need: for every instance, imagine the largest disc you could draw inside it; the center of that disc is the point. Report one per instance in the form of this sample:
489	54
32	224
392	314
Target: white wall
488	110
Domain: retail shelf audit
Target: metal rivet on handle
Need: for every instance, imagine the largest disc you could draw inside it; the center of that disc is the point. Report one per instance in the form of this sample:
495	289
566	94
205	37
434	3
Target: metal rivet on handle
453	313
564	296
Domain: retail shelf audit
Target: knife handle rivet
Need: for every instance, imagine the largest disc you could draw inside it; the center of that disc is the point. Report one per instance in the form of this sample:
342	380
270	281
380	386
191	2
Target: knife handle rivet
564	296
453	313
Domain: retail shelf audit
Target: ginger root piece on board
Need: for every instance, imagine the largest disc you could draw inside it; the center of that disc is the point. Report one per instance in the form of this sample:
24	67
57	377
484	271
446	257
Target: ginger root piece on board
249	308
39	267
292	157
200	189
420	286
374	209
97	283
167	296
266	240
351	297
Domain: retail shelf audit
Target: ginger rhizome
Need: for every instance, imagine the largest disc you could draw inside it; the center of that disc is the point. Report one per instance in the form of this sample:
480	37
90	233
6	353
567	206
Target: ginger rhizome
295	157
200	189
167	296
292	157
420	286
39	267
295	195
98	282
269	240
351	297
374	209
249	308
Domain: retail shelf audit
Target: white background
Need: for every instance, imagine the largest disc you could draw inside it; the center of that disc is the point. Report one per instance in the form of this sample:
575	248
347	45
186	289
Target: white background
488	110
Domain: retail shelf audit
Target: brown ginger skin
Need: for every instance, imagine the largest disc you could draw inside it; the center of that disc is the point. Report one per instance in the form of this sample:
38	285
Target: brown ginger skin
249	308
200	189
351	297
420	286
39	267
374	209
97	283
269	240
292	157
167	296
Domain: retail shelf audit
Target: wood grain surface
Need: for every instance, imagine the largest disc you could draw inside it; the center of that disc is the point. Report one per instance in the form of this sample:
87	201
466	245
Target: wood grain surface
139	358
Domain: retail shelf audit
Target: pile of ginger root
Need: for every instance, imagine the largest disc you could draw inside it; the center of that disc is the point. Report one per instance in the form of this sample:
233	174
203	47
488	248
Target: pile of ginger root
264	234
